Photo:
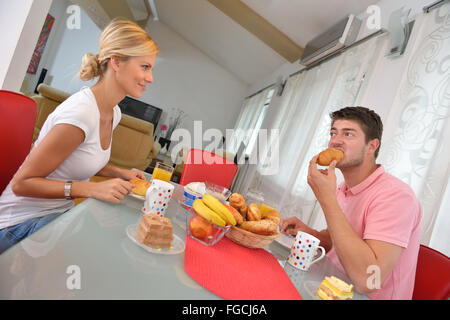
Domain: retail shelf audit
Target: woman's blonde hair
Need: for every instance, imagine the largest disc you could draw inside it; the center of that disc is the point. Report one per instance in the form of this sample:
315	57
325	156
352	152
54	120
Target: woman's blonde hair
122	39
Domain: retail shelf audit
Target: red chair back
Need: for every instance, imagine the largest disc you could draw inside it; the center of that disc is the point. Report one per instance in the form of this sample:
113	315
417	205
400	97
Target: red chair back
432	275
17	118
202	166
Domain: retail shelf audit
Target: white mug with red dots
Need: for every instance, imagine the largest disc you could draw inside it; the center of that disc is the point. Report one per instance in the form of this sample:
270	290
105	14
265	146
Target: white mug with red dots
303	251
157	197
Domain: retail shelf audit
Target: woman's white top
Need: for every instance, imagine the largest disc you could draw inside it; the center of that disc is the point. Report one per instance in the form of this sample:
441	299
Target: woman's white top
80	110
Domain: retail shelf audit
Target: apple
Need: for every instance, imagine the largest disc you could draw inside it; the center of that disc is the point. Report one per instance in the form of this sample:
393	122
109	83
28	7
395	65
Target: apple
200	227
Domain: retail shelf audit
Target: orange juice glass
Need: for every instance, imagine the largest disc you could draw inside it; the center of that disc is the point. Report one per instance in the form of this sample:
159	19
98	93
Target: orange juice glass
264	208
162	172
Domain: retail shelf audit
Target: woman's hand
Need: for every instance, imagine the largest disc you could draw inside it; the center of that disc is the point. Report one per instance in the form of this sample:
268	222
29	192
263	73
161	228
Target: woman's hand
116	172
112	190
131	174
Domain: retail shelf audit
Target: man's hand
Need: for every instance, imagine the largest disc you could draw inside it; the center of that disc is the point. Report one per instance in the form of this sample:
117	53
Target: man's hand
322	182
292	225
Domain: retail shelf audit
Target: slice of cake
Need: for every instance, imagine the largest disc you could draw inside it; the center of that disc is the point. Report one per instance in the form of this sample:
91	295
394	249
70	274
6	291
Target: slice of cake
155	231
333	288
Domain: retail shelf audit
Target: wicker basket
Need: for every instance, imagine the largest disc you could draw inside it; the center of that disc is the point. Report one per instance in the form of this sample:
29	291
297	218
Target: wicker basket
249	239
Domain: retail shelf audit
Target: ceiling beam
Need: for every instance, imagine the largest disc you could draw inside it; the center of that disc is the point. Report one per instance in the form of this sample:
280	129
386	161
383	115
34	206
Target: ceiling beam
117	8
259	27
95	11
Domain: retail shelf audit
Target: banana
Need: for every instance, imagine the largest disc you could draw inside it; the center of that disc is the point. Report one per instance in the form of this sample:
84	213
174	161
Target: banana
215	205
207	213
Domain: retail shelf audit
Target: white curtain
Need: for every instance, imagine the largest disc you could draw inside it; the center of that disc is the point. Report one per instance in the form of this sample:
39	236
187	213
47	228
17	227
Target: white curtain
246	130
249	121
416	144
304	123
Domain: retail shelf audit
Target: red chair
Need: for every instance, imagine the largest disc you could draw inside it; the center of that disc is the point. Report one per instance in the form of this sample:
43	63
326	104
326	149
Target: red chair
202	166
432	275
17	118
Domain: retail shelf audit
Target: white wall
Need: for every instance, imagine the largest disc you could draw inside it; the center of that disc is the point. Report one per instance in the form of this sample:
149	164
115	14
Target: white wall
57	11
21	23
64	56
184	77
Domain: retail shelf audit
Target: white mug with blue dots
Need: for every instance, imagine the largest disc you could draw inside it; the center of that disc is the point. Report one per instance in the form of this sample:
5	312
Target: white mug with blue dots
157	197
303	251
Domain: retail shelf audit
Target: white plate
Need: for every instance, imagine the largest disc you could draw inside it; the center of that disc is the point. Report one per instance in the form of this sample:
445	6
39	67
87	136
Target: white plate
136	196
177	244
285	240
311	287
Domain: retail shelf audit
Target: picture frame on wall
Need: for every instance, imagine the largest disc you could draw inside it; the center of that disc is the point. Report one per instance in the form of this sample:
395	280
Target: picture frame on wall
40	45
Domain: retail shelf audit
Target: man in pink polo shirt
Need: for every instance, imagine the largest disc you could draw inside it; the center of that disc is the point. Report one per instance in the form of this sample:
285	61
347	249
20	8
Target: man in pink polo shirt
373	218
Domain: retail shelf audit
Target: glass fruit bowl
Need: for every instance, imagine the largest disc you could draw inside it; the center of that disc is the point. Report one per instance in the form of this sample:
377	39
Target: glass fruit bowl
202	230
219	192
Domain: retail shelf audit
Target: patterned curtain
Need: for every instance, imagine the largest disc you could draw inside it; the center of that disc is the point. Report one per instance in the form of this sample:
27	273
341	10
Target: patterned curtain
416	146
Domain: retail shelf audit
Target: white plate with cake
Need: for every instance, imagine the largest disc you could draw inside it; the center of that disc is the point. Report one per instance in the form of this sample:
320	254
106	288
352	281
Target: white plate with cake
176	247
155	234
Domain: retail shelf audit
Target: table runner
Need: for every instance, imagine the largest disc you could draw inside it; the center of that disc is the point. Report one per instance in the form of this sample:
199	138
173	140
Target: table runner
235	272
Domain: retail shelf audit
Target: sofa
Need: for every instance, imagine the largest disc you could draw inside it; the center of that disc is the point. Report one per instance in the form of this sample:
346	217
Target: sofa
132	143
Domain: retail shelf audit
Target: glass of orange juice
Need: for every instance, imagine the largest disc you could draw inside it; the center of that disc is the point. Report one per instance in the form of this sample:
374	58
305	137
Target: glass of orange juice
162	171
264	208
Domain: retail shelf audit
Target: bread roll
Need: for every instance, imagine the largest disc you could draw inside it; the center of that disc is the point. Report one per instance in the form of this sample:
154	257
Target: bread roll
328	155
263	227
237	216
141	186
274	216
253	213
237	201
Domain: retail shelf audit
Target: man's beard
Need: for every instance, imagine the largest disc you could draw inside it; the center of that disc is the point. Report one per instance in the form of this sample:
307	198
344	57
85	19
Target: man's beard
351	163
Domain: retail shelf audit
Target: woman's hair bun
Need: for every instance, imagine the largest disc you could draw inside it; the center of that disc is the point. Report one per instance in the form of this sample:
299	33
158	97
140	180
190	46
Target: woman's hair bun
90	67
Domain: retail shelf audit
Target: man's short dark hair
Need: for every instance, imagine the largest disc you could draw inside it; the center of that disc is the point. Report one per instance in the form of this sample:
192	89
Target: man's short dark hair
369	121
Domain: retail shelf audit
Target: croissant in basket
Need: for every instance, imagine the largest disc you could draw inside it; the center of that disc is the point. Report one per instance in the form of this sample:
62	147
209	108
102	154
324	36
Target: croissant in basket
237	201
274	216
253	213
264	227
328	155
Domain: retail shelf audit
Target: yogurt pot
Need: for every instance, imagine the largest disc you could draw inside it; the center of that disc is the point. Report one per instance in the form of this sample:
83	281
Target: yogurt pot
192	191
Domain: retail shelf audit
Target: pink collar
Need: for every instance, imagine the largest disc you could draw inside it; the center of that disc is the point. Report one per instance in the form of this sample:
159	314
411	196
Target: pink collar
366	182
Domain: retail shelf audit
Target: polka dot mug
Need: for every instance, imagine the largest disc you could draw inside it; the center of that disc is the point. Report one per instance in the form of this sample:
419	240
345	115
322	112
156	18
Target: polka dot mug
157	197
303	251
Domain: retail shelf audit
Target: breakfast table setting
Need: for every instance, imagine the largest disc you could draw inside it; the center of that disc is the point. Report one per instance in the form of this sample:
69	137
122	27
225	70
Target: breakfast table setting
98	250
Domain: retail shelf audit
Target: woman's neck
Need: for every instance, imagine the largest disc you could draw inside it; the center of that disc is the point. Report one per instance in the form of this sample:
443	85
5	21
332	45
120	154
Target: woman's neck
107	94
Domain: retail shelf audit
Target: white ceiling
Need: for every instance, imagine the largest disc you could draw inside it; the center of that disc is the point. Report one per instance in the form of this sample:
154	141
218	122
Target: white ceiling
239	51
301	20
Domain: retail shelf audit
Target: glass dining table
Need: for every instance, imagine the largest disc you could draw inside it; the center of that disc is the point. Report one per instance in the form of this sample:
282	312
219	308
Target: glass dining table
86	254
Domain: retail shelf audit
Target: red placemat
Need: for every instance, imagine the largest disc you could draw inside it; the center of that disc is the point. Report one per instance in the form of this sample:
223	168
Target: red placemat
235	272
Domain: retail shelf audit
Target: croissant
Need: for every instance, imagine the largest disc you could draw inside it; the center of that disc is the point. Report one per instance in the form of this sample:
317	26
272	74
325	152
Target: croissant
273	215
263	227
237	216
141	186
237	201
253	213
328	155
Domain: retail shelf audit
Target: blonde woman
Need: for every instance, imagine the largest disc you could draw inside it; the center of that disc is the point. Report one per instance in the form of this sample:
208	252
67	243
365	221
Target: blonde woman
75	141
